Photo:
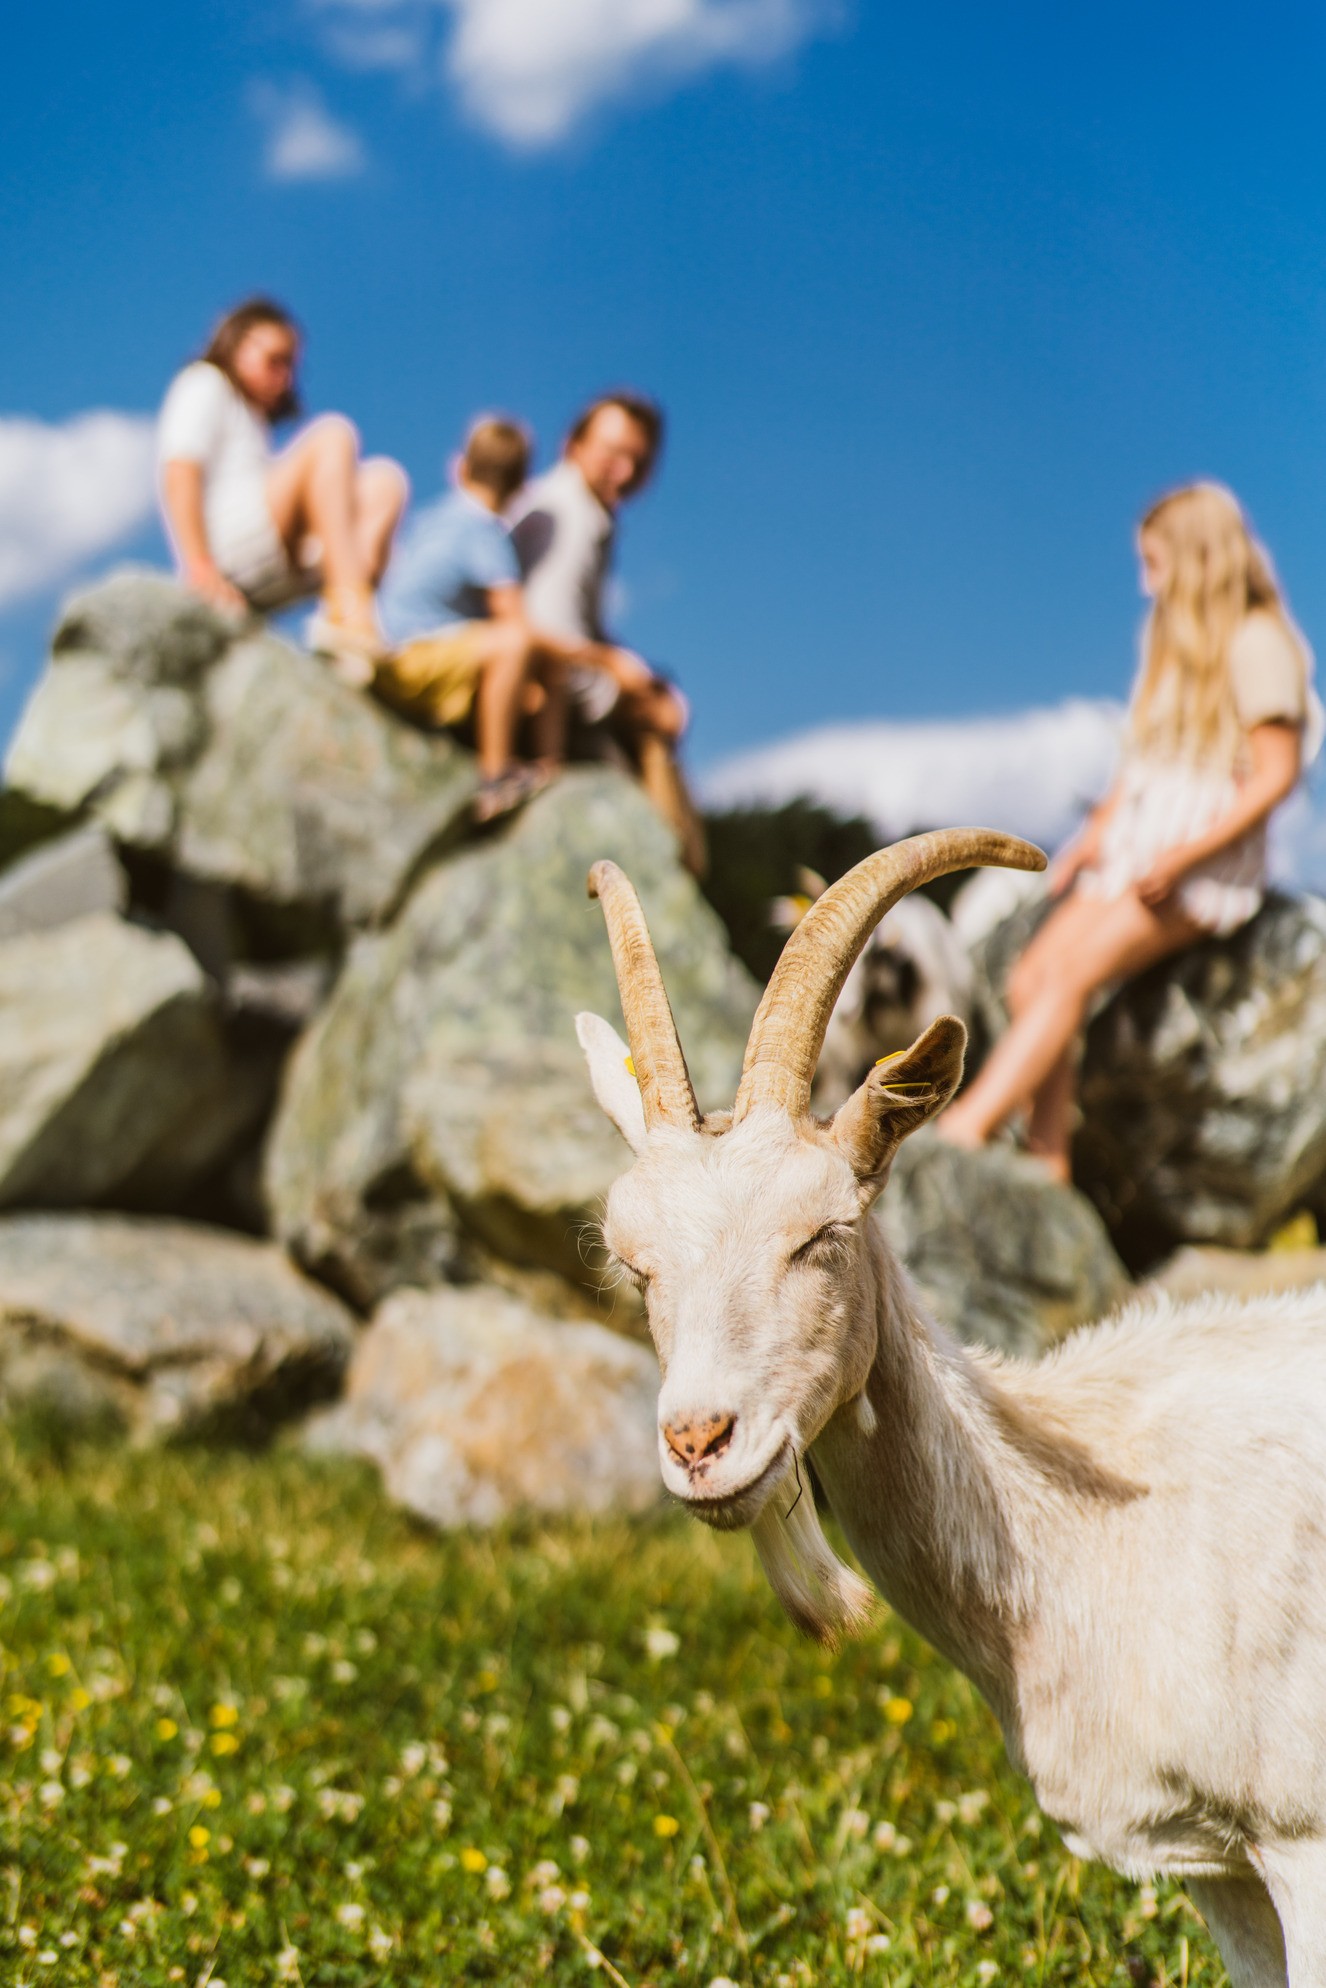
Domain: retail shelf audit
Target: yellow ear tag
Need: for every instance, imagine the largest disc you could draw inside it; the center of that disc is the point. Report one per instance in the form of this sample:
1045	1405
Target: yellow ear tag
882	1060
630	1065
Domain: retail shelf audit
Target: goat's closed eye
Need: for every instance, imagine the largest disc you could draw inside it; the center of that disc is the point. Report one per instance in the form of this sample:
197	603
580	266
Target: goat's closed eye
639	1278
826	1242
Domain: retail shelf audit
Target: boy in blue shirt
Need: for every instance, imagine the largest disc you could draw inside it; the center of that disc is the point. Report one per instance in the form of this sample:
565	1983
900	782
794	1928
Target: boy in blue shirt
453	610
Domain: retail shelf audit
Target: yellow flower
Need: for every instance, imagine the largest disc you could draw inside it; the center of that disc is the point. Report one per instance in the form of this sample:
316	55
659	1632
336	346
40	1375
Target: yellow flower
80	1699
823	1686
666	1825
225	1742
212	1799
486	1681
166	1729
473	1861
199	1838
225	1715
898	1710
942	1730
58	1664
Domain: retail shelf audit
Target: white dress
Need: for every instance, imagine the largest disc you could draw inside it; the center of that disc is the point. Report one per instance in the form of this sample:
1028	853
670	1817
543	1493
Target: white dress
1162	803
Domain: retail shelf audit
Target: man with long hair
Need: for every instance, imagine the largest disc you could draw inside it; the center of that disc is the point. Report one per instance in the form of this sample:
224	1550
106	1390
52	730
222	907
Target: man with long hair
256	530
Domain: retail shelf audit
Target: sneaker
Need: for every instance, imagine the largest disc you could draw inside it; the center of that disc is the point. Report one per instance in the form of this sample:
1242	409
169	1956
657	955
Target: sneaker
509	791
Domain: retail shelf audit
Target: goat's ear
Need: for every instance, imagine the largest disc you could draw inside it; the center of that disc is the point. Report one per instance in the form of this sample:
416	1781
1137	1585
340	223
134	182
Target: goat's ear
900	1094
613	1078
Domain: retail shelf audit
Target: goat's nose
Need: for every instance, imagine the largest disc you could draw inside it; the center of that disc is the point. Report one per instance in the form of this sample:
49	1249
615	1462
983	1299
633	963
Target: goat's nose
690	1442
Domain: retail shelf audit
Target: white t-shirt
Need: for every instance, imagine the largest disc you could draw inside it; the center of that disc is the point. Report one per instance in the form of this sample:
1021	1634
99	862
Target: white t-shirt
563	537
205	419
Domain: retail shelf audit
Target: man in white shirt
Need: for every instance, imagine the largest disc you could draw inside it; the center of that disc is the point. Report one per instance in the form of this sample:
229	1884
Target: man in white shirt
563	525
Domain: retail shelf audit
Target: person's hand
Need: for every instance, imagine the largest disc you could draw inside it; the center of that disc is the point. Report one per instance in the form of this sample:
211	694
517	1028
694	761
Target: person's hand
1163	878
211	585
1067	866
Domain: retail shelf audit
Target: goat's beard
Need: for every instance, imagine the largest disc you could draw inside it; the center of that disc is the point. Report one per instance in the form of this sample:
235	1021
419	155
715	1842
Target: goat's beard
825	1599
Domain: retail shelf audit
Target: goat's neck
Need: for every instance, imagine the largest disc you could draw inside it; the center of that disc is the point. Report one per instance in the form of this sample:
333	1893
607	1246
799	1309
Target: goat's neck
938	1489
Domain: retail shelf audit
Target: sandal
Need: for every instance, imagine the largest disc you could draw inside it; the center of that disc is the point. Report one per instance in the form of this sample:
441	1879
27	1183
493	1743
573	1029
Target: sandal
345	629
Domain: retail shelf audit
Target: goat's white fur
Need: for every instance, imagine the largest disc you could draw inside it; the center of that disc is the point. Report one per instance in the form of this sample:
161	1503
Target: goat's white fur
1123	1545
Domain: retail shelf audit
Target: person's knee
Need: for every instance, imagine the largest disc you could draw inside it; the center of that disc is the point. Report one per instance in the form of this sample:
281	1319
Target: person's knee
334	435
384	484
1024	983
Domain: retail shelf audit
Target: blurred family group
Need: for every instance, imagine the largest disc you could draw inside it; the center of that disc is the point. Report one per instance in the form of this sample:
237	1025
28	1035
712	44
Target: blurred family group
487	611
483	611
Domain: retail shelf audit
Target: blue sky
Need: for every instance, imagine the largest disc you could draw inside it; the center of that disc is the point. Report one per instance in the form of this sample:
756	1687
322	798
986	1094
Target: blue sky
936	300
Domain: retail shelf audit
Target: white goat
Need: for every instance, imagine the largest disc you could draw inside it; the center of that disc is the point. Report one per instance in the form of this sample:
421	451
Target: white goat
1124	1546
912	969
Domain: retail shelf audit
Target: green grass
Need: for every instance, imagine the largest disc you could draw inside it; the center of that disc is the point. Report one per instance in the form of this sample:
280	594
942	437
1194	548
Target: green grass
257	1728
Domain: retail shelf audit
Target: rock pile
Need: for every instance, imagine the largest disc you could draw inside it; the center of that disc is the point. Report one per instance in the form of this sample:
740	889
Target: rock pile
1203	1084
257	973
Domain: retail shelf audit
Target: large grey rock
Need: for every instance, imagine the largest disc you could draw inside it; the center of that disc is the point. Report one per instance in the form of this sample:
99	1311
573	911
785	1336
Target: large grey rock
440	1104
166	1328
1002	1254
67	878
233	757
474	1407
1203	1084
114	1077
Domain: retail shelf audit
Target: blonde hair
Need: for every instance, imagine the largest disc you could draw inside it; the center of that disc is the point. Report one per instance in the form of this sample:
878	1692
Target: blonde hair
1219	575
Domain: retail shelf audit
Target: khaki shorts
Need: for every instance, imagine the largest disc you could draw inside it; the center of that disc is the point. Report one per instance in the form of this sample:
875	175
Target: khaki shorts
435	677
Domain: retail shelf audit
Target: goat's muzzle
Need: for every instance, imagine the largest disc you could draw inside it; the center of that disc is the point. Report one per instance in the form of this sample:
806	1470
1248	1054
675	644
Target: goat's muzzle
694	1442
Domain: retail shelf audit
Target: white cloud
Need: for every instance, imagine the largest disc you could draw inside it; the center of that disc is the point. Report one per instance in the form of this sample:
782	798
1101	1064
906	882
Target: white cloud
1031	773
304	141
68	494
532	70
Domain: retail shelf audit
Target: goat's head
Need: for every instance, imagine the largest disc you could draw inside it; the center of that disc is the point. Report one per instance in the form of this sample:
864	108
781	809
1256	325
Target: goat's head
747	1230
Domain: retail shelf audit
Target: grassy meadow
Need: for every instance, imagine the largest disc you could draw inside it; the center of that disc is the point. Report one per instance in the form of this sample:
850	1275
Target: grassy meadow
258	1728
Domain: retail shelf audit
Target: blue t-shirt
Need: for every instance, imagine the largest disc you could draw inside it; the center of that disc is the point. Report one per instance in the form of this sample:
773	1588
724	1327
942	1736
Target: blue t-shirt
444	563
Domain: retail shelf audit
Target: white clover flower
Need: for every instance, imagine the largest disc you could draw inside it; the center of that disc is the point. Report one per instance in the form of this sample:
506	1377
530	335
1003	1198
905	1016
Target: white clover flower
579	1901
414	1757
855	1823
979	1916
551	1899
287	1964
544	1873
442	1813
878	1943
579	1847
970	1805
722	1981
661	1642
365	1642
69	1939
51	1794
559	1718
986	1971
27	1936
52	1760
47	1957
858	1923
120	1766
380	1943
497	1882
351	1914
283	1798
940	1895
343	1671
945	1812
885	1836
257	1867
162	1805
758	1814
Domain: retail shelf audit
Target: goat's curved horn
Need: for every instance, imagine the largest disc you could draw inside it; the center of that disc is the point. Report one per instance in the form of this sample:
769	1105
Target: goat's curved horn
656	1052
787	1034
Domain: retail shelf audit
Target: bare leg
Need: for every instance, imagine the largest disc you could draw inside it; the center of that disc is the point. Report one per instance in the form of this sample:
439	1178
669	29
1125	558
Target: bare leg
1050	1131
497	706
550	720
311	490
1243	1923
382	490
1083	947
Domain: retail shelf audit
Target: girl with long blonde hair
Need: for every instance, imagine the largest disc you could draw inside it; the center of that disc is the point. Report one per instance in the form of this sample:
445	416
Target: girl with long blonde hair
1177	850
